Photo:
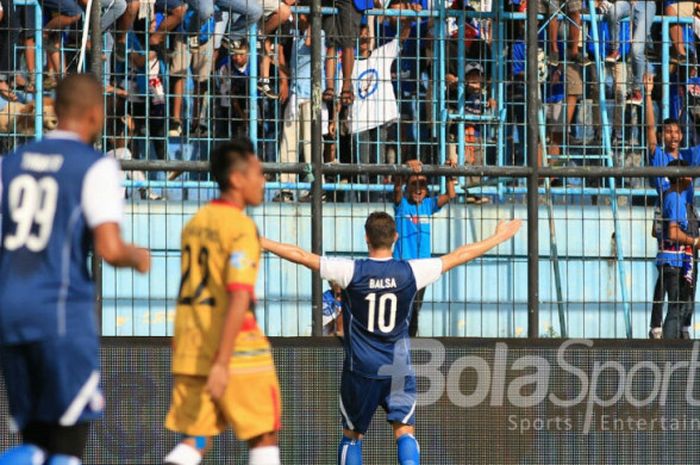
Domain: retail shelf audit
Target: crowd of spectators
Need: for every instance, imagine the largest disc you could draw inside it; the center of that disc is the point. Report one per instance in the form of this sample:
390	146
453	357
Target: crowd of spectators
179	71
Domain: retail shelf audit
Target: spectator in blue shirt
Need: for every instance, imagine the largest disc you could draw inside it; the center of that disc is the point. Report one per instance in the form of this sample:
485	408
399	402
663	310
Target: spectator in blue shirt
333	305
676	256
664	155
412	211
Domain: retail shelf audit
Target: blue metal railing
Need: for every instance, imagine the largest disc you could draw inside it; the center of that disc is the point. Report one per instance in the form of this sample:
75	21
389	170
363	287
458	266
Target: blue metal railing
39	79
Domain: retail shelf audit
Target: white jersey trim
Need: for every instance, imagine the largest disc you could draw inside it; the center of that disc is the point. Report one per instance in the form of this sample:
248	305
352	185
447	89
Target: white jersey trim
426	271
338	270
81	400
102	197
345	415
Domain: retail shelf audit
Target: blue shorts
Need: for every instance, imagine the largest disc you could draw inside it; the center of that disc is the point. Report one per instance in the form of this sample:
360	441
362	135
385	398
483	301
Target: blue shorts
360	397
54	381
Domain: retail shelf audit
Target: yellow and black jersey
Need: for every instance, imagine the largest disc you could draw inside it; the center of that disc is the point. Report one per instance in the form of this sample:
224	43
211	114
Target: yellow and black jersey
220	254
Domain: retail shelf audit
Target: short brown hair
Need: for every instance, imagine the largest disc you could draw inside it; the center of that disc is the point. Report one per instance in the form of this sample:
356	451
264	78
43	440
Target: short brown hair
77	93
380	229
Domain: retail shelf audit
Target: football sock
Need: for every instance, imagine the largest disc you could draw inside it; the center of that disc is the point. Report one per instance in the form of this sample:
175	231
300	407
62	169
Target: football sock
59	459
26	454
268	455
350	452
408	449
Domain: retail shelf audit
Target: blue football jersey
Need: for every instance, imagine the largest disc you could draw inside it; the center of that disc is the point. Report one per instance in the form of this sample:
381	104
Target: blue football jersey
379	296
53	192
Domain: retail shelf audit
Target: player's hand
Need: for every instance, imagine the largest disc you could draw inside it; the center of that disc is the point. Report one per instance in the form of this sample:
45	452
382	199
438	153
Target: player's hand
648	83
143	260
507	229
217	381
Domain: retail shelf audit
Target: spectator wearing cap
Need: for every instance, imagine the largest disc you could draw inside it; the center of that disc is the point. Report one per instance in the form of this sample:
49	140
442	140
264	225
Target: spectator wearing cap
413	209
476	103
232	90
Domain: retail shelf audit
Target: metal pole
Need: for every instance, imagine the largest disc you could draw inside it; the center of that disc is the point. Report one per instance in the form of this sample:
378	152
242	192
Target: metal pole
96	40
317	161
533	267
39	70
553	250
96	69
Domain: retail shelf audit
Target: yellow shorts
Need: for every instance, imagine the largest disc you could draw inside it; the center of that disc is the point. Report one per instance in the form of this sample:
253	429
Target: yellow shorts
251	405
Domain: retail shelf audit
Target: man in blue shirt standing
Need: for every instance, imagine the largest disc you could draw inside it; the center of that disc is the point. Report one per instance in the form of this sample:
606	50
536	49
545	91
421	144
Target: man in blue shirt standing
676	256
59	198
379	290
413	209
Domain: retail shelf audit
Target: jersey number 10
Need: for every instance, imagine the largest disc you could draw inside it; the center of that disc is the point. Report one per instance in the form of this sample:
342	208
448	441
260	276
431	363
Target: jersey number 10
384	300
31	202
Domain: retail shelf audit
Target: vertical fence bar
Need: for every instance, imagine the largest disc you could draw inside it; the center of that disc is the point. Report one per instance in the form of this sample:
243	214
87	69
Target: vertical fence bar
96	69
500	64
253	84
39	70
317	161
461	83
665	73
607	148
441	113
532	86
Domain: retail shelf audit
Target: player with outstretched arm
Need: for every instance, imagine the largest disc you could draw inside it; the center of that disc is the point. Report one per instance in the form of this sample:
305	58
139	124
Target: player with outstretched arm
380	291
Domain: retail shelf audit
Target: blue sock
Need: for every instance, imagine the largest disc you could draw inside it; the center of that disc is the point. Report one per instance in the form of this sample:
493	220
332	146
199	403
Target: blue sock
59	459
409	451
350	452
26	454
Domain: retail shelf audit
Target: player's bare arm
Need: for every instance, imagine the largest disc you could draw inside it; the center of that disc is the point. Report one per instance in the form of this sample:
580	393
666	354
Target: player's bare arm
238	305
292	253
504	231
110	246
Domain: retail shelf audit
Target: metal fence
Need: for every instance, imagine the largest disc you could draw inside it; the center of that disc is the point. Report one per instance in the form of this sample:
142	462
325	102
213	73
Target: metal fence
592	270
514	97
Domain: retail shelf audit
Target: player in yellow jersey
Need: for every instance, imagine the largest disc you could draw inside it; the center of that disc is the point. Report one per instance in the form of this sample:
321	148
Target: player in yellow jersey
223	370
